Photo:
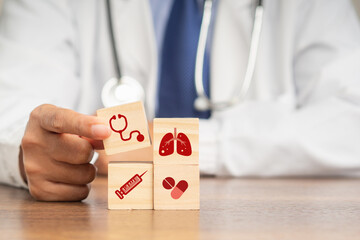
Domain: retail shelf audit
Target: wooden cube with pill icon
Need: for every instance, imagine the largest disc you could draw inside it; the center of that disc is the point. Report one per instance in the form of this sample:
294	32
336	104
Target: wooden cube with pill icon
176	141
176	186
129	127
130	185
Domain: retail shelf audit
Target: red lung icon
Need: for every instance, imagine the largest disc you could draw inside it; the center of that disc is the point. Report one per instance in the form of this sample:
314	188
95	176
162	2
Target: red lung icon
167	145
183	145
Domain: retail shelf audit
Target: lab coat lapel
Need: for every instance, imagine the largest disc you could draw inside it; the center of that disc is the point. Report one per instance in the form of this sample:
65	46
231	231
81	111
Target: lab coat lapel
230	46
136	44
86	49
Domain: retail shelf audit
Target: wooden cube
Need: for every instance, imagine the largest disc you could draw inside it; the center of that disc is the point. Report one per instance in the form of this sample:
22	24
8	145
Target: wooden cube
129	127
130	185
176	186
176	141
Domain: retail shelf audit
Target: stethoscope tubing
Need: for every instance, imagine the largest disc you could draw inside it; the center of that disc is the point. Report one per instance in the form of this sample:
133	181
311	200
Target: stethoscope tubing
112	40
243	86
200	54
120	89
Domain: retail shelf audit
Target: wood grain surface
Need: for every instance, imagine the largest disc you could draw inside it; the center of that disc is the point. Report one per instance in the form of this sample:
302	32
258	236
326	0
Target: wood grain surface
230	209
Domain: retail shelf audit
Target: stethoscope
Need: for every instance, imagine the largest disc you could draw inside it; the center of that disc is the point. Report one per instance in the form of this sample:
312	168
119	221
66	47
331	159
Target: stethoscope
122	89
140	137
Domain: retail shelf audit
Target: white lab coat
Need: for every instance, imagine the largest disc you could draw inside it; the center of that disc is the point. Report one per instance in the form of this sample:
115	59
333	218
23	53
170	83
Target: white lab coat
302	114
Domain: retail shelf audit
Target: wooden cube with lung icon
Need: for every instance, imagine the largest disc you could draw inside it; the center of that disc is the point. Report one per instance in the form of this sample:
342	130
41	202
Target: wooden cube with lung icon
129	127
130	185
176	141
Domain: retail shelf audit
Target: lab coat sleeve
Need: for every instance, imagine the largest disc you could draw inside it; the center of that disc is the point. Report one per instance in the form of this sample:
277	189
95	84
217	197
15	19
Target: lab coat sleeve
320	135
37	66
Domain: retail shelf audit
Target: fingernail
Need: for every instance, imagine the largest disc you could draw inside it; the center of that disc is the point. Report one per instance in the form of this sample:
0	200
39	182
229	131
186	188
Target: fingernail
100	131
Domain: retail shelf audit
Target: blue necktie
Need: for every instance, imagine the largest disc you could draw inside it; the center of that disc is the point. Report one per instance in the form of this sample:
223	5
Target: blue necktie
177	92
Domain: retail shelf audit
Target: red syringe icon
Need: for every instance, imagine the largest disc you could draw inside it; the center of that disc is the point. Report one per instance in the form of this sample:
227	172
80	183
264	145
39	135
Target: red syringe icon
129	185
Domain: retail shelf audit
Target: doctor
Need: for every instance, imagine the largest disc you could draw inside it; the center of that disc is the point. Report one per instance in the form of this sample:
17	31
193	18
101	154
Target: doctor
300	116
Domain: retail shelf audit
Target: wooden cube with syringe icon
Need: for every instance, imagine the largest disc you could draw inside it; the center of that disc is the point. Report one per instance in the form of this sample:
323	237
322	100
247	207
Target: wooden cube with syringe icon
130	185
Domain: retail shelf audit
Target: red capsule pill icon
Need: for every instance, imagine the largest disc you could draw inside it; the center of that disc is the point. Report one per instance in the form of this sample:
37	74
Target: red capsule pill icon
179	189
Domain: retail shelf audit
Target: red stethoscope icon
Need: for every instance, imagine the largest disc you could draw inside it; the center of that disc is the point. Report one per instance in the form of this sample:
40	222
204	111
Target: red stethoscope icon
139	137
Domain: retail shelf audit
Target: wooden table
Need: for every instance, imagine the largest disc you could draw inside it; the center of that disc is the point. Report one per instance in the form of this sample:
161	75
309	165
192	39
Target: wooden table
230	209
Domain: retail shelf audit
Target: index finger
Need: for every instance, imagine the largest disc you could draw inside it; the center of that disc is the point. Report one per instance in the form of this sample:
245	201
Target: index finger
61	120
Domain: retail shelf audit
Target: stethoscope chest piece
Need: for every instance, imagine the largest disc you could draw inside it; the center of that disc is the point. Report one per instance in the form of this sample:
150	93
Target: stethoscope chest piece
117	92
201	104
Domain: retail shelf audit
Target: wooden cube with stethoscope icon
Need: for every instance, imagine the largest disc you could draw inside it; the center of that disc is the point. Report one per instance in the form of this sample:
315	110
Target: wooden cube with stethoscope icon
171	181
129	127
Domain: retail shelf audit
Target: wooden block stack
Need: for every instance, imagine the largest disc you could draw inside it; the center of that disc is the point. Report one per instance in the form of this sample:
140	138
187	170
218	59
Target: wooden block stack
172	181
176	163
130	184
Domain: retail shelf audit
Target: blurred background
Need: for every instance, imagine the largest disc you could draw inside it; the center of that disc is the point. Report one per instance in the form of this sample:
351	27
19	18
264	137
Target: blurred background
356	4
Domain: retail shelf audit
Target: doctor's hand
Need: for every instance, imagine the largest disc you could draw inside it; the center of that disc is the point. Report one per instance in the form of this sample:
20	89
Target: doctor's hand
55	158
